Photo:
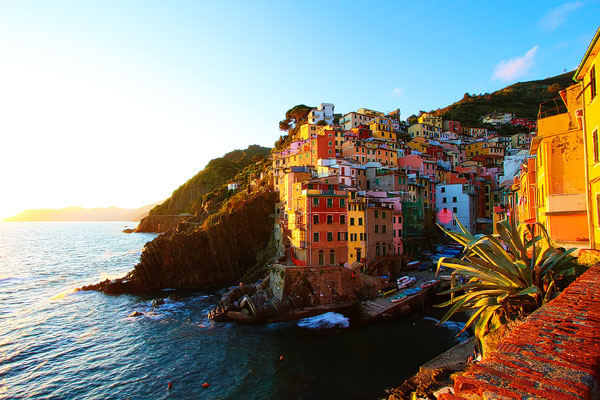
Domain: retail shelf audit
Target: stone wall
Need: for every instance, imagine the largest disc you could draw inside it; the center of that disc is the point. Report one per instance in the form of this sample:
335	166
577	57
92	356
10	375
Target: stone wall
332	284
554	354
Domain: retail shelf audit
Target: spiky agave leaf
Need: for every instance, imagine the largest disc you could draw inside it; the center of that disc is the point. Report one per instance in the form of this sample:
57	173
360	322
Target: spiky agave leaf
498	277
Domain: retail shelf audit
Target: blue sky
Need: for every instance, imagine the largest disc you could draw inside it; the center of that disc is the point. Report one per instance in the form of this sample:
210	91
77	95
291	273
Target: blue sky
118	103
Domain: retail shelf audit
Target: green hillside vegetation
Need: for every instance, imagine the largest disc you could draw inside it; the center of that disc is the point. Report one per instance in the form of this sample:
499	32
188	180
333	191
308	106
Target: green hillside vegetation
211	182
522	98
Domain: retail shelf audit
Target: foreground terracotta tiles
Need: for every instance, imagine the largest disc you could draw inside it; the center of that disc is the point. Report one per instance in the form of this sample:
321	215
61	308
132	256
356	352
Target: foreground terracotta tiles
554	354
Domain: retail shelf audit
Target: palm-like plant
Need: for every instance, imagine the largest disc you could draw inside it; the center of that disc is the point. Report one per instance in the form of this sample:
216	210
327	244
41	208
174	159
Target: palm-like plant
508	275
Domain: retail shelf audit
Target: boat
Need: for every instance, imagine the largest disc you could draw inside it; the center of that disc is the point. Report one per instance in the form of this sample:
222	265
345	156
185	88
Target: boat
428	283
413	264
406	283
413	291
398	297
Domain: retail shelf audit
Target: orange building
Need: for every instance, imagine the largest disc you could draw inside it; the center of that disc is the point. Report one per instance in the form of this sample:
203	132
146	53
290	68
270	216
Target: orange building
560	169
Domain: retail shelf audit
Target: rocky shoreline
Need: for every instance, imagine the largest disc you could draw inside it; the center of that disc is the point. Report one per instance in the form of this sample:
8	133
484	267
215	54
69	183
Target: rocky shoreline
202	256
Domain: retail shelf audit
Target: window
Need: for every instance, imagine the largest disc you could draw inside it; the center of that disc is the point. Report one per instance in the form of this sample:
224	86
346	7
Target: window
342	219
596	147
383	214
342	202
593	81
329	218
321	257
454	210
315	218
443	190
363	236
316	202
454	199
598	207
360	222
443	199
332	257
376	213
376	228
377	252
383	228
351	221
330	236
316	237
329	202
394	220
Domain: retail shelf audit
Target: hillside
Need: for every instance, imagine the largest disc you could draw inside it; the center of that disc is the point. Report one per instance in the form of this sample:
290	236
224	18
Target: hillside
81	214
522	98
190	196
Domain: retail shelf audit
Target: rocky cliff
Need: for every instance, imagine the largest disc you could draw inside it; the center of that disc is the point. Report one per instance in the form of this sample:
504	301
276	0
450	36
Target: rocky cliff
160	223
195	256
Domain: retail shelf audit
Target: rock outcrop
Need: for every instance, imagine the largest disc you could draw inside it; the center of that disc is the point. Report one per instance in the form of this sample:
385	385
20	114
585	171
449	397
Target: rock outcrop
292	292
160	223
200	256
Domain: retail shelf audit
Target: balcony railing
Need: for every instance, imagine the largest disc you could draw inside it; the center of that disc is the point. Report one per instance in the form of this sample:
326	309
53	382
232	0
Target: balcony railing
552	107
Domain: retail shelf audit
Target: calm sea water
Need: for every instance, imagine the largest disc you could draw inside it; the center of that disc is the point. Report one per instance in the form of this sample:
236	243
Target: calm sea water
56	343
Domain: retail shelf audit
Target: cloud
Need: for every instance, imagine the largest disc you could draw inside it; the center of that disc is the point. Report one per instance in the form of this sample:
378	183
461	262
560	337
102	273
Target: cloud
397	92
515	67
555	17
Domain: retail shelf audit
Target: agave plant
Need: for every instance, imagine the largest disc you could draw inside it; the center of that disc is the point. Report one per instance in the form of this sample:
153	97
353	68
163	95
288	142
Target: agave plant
508	275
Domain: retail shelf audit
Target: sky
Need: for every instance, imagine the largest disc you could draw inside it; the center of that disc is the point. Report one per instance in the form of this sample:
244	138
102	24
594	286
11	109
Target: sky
118	103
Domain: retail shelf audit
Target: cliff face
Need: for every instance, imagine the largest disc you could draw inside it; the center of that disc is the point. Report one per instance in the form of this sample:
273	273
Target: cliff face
159	223
195	256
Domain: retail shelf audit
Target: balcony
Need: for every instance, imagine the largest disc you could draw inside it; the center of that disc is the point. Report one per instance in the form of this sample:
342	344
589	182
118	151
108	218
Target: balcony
566	203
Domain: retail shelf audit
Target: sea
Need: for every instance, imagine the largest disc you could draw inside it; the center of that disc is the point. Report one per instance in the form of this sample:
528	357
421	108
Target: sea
59	343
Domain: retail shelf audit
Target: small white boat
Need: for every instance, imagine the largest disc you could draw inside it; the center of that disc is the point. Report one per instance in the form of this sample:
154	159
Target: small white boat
407	283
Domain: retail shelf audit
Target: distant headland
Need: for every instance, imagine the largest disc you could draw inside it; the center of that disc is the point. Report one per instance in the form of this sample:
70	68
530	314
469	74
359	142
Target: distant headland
75	213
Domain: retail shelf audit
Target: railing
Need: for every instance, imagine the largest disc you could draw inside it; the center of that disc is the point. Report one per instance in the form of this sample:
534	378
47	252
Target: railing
552	107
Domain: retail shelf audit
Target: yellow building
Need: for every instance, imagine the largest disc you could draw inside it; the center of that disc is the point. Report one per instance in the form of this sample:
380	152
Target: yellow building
425	131
560	170
426	118
381	128
419	144
586	74
483	148
308	130
357	233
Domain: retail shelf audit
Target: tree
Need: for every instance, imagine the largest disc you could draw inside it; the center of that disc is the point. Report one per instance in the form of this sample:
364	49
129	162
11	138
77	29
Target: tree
295	116
322	122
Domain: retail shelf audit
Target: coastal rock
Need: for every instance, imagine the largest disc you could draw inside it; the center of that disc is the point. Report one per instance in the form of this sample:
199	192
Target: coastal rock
160	223
128	230
207	255
157	302
135	314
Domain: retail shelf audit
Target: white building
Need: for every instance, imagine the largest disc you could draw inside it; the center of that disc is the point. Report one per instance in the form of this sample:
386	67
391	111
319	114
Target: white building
322	113
455	200
512	165
497	118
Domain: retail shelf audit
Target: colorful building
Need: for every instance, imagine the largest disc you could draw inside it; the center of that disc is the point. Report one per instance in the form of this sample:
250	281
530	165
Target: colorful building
586	75
318	223
560	169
